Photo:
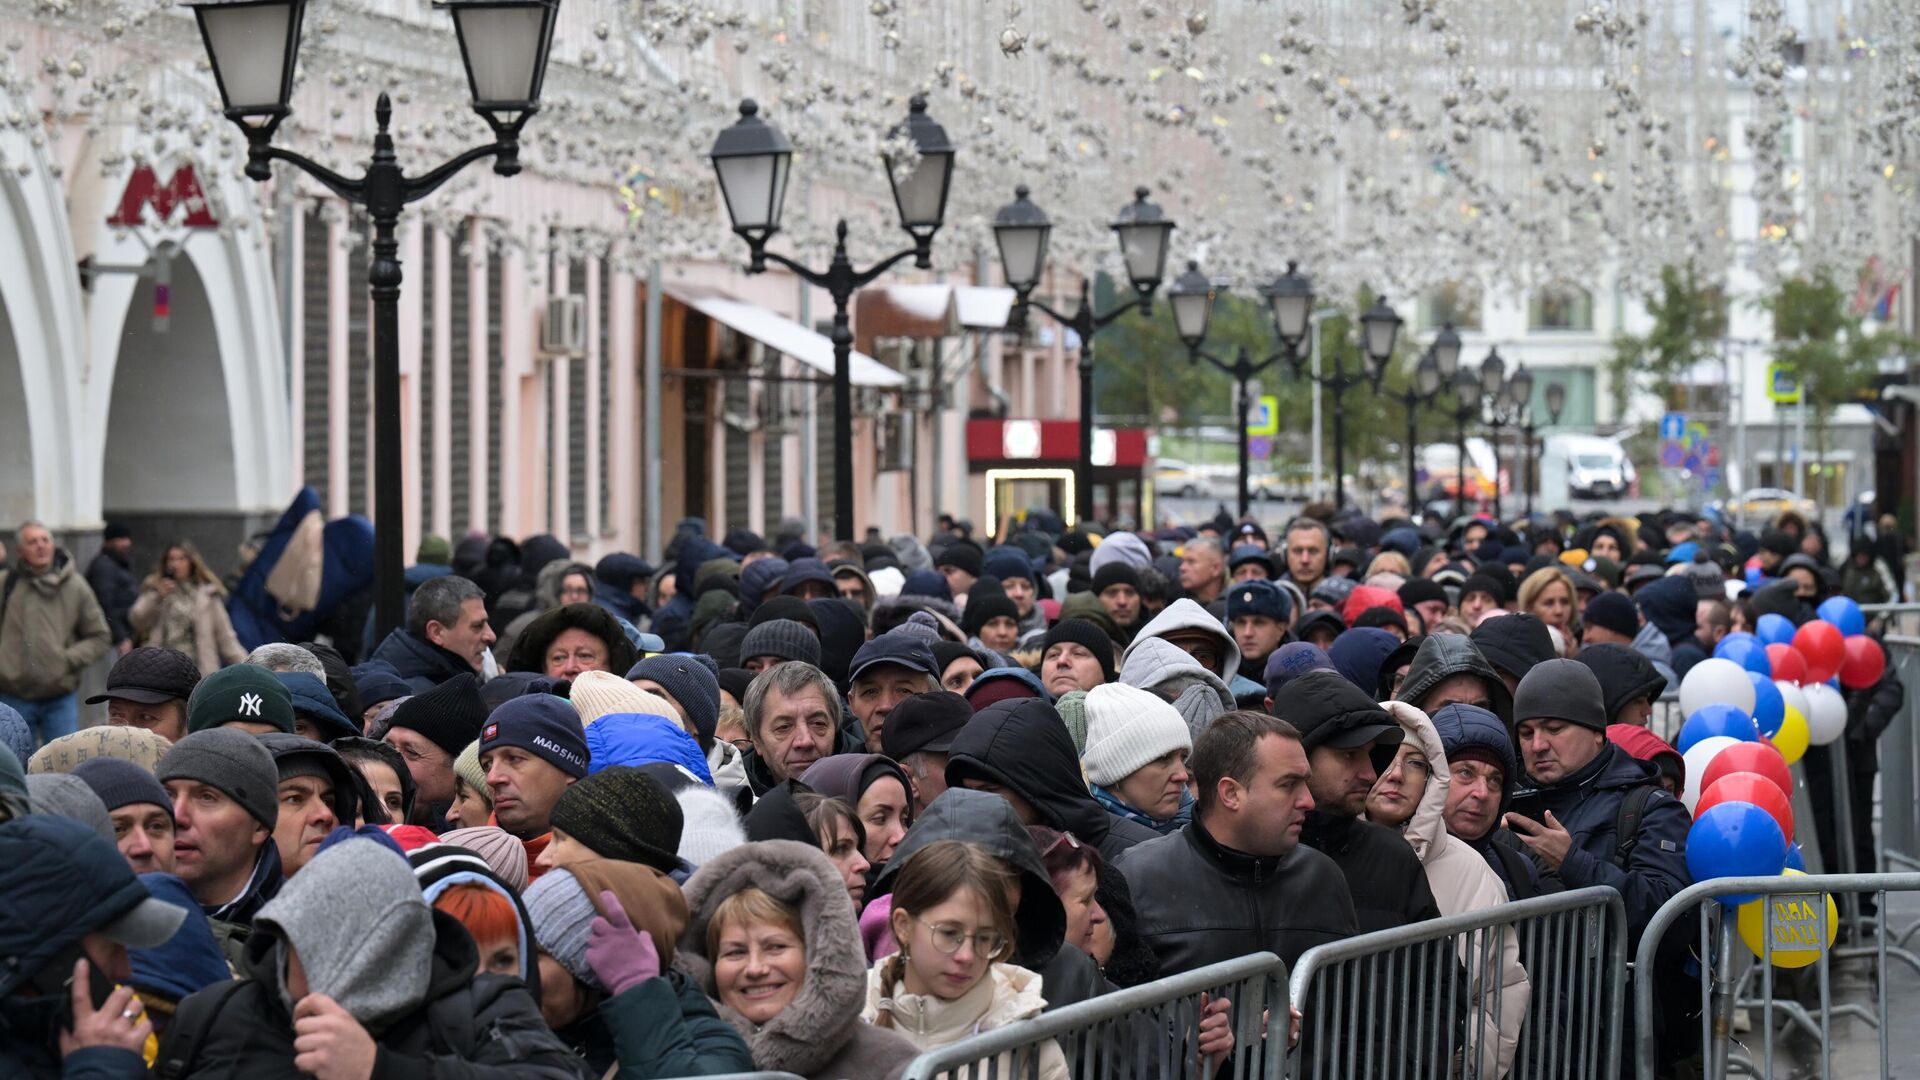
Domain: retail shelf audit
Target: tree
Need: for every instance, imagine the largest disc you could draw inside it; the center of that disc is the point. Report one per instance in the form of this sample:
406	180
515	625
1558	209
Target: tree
1689	318
1825	348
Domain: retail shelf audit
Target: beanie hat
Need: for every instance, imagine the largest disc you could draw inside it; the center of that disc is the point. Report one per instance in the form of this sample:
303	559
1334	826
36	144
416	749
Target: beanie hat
986	601
121	783
1366	597
602	693
63	795
1007	563
502	851
542	725
1072	708
231	762
1086	635
466	765
1615	612
694	684
64	754
1115	573
1420	590
563	903
449	715
735	682
1485	583
1513	643
1128	727
243	692
377	684
783	607
960	556
434	550
622	813
1561	690
1333	590
784	639
1292	660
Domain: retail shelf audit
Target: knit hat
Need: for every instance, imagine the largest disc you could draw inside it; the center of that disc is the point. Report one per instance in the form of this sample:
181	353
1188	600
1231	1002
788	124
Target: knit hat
1116	573
1072	708
735	681
542	725
1485	583
1561	690
622	813
1365	598
502	851
1007	563
602	693
1613	611
69	797
563	903
150	675
783	639
122	783
960	556
466	765
231	762
1333	590
924	722
927	583
987	601
1086	635
694	683
1128	727
243	692
449	715
1514	643
15	735
377	684
64	754
1420	590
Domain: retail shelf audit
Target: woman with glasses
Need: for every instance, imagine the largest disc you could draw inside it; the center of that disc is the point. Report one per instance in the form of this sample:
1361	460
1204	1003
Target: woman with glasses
953	919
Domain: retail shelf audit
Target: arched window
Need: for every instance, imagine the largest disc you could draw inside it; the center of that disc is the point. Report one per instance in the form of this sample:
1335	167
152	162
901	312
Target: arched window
1561	305
1455	302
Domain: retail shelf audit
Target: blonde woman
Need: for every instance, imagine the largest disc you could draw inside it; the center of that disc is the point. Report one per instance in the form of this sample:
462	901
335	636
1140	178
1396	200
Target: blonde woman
1548	594
183	606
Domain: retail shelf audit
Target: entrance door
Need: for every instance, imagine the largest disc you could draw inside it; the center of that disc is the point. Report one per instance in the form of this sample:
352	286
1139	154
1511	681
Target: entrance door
1011	491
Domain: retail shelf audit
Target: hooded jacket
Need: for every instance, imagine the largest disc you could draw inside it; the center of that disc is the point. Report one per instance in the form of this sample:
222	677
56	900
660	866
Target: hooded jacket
1462	882
1184	614
50	629
419	662
1441	657
1670	604
1024	746
1461	727
1625	674
1198	695
819	1034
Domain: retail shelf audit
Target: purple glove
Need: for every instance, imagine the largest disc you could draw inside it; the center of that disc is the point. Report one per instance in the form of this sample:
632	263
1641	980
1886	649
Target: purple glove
620	956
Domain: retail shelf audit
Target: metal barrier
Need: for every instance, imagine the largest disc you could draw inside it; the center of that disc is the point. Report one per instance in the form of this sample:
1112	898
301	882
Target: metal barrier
1729	969
1432	999
1900	761
1144	1032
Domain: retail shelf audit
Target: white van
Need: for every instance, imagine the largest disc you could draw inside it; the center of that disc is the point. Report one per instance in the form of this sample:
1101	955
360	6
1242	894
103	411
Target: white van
1583	467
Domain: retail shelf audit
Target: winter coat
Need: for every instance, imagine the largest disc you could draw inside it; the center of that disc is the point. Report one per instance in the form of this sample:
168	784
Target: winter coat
1385	878
1006	995
489	1023
1198	695
1462	882
820	1034
193	620
1023	746
661	1027
1201	903
1669	604
1653	645
1460	727
1441	657
51	628
116	588
421	663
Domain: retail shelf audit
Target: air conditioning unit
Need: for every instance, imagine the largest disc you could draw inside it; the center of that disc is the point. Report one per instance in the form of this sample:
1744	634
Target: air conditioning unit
564	331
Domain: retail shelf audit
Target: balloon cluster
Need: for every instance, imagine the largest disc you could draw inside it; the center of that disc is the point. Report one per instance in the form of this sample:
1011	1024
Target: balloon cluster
1752	710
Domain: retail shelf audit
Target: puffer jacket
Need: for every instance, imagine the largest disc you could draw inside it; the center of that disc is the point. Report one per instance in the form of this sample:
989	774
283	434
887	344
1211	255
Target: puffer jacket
193	620
1007	994
1441	657
52	628
1463	882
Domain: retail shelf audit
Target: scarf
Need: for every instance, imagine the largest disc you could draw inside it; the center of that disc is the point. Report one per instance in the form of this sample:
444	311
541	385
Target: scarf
1113	805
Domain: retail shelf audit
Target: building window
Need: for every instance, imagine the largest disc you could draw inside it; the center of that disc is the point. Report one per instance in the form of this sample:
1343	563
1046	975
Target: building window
1581	408
1560	306
1455	302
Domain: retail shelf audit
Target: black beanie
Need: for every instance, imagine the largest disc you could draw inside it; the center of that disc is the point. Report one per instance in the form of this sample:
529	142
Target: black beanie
449	715
987	600
961	556
1485	583
622	813
1115	573
1420	590
784	607
1085	634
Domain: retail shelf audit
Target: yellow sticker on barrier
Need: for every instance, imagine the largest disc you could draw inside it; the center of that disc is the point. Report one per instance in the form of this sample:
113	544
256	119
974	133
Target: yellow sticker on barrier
1795	929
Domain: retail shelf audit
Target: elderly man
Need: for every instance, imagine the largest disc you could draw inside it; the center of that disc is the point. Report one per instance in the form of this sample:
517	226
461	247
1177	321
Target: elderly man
792	720
885	672
53	628
1203	571
447	633
148	688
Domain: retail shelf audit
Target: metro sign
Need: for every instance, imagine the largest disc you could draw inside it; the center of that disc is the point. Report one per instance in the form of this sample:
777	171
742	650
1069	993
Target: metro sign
181	191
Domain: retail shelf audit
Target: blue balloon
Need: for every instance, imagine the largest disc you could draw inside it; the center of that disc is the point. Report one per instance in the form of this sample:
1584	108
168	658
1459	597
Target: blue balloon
1796	858
1735	839
1769	707
1774	629
1843	613
1746	650
1754	576
1716	719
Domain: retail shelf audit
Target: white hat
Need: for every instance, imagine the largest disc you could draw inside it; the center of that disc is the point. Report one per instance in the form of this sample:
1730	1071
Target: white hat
1128	727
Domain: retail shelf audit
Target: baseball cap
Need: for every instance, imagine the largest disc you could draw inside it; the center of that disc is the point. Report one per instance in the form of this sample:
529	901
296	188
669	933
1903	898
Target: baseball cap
150	676
903	650
243	692
925	722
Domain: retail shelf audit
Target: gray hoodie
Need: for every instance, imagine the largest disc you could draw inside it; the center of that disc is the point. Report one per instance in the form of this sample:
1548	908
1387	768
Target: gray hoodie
1184	614
363	932
1122	547
1198	695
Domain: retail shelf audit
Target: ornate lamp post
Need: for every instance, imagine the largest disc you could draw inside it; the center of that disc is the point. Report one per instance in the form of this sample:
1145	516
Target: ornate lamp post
1556	401
1379	332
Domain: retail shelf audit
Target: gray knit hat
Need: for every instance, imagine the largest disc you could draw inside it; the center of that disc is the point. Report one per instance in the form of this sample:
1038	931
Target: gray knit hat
694	683
68	796
229	761
121	783
786	639
562	917
1561	690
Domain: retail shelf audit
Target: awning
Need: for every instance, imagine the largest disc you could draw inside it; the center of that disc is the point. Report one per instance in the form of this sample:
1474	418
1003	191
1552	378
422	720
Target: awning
782	335
929	311
983	308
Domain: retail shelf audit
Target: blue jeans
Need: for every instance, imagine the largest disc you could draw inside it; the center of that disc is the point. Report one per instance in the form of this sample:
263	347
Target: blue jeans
49	718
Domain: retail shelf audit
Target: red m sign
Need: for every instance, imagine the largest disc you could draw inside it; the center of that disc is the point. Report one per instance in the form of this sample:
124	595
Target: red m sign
181	190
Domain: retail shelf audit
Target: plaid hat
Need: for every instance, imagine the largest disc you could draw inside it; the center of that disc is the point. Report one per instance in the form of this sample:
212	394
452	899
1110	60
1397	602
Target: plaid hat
692	680
543	725
1088	636
924	722
231	762
784	639
122	783
622	813
150	676
909	651
449	715
1614	611
243	692
1262	599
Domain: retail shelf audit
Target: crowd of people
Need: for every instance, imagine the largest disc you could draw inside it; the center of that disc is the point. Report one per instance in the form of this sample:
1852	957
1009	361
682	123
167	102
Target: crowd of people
818	810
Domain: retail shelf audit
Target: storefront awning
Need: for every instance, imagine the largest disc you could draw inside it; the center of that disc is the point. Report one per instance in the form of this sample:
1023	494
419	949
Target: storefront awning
929	311
782	335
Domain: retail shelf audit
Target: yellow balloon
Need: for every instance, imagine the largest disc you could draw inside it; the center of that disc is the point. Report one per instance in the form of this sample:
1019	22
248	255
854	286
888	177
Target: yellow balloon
1796	926
1791	739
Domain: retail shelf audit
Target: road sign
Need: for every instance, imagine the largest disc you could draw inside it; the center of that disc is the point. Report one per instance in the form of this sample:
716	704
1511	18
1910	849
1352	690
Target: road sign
1264	418
1673	426
1260	447
1782	387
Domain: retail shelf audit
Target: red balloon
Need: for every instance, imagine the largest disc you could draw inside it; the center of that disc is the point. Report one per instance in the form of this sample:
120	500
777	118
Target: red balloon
1788	666
1821	645
1752	788
1863	664
1757	758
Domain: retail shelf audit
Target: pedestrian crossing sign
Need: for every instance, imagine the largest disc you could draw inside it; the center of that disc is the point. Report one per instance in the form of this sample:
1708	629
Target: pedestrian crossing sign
1264	419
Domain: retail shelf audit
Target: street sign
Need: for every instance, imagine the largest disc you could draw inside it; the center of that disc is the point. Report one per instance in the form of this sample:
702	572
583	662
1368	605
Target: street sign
1673	426
1260	447
1782	387
1264	417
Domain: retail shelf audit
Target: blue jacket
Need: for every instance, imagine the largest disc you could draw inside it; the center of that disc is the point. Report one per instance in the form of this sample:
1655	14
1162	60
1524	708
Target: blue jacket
641	739
420	662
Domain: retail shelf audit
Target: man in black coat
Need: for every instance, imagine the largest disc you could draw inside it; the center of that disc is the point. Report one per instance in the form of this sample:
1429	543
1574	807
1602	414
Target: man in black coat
114	583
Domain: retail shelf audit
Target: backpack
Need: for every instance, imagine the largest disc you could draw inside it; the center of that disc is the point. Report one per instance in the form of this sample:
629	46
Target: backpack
1626	826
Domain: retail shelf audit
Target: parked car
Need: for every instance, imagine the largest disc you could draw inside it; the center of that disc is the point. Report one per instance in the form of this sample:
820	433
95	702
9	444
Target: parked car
1765	504
1179	479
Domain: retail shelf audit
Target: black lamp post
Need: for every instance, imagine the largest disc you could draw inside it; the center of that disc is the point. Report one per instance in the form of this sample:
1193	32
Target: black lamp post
1290	300
1556	401
252	46
752	159
1379	331
1466	406
1021	230
1430	377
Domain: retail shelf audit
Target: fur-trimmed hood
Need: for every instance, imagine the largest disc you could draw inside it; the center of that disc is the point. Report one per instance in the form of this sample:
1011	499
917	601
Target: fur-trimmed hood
1426	830
888	613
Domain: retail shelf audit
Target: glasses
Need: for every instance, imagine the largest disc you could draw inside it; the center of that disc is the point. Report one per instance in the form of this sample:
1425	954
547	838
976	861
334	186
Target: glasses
1064	840
948	937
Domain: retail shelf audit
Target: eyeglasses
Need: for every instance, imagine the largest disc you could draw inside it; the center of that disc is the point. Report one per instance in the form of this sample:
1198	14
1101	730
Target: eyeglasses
1064	840
948	937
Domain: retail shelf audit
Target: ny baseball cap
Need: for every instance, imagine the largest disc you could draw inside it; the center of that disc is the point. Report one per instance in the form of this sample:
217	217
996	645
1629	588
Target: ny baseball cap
243	692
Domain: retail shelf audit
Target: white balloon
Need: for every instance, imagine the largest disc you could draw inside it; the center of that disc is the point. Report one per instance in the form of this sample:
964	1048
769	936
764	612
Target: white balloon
1716	681
1698	756
1796	697
1827	715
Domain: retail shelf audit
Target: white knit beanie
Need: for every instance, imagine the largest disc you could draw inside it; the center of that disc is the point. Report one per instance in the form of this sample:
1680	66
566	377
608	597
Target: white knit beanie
602	693
1127	727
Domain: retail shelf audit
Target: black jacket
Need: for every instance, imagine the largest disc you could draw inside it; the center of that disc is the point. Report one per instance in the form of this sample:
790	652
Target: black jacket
1200	903
1024	746
116	587
1385	878
1441	657
488	1022
420	662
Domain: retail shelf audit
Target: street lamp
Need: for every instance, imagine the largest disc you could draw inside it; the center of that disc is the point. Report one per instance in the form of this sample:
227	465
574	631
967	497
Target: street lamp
252	46
1466	406
1556	401
1289	299
1020	231
1430	376
1379	332
751	160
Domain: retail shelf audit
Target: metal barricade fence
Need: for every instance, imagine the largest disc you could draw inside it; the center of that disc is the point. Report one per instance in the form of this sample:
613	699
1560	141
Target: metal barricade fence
1900	761
1794	914
1145	1032
1435	1000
